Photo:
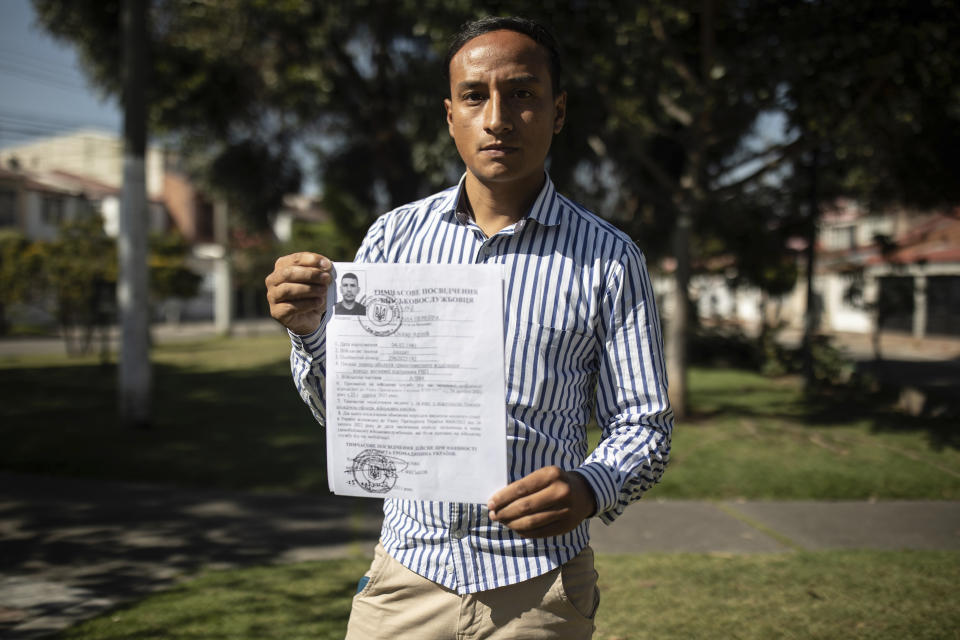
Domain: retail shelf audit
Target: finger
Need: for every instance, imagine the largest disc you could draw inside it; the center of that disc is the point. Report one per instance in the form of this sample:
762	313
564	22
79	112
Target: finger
543	521
552	497
308	259
286	311
527	485
290	291
292	273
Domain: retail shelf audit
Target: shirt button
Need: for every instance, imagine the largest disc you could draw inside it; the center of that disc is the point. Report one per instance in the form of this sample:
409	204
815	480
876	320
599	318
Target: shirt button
449	568
458	533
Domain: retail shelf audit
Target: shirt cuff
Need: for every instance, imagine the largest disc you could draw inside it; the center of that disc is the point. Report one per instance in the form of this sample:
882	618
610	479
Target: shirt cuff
311	344
602	483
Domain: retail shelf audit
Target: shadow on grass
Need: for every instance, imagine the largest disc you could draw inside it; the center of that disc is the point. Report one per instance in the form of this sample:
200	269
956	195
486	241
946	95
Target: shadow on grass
233	428
307	600
213	430
906	397
108	539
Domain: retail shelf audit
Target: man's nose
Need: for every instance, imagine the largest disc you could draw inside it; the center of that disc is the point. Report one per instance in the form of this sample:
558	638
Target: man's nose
496	116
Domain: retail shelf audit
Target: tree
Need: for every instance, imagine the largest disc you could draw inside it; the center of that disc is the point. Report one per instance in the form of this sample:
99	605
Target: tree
663	132
79	268
675	101
662	96
170	277
872	96
20	262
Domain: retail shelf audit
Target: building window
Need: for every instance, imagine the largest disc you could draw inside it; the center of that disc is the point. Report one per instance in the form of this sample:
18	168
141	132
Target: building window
8	208
52	210
843	237
943	305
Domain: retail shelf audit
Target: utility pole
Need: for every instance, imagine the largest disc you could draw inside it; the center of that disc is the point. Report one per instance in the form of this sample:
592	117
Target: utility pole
222	275
134	372
810	315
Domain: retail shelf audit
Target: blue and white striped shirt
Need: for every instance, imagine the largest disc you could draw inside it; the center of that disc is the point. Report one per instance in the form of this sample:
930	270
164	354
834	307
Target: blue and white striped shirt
581	333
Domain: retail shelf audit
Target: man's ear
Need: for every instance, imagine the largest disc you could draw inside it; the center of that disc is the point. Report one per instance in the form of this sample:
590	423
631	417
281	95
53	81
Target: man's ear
448	106
560	112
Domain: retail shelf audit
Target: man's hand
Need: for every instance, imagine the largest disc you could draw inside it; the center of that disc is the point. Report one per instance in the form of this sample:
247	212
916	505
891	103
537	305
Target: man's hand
548	502
297	291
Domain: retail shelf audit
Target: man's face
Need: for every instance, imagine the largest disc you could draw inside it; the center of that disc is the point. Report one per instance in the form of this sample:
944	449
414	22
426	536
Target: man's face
348	289
502	113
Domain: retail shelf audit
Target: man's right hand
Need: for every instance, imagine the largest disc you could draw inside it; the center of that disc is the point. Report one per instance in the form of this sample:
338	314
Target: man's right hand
297	291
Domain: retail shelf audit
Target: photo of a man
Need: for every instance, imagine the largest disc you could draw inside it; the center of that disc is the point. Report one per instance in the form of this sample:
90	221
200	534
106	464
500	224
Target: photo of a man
348	305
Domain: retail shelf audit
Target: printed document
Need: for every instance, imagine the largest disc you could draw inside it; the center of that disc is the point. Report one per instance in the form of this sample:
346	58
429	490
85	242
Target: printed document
415	381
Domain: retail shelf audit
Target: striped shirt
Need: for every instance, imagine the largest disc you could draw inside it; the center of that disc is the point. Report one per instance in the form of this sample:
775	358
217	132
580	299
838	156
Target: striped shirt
581	334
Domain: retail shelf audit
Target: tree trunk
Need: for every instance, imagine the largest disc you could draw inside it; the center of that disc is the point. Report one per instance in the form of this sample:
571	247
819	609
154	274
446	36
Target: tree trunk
678	326
810	313
222	272
134	371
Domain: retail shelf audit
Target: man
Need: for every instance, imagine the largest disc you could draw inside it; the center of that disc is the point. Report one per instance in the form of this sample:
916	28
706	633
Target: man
348	305
581	332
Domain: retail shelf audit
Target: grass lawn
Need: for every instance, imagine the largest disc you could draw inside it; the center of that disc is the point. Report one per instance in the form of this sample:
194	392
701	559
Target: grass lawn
794	595
759	438
226	415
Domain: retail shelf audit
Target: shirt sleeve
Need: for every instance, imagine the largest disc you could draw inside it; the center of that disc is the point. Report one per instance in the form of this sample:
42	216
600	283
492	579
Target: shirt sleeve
633	410
308	354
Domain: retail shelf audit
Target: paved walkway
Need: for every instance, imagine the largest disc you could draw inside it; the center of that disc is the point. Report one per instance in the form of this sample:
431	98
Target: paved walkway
72	548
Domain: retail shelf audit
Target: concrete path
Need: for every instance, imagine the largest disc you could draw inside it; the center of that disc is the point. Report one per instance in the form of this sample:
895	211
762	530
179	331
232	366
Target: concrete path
72	548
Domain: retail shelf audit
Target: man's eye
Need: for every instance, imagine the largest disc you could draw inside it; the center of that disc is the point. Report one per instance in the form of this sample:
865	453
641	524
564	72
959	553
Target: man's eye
523	93
472	97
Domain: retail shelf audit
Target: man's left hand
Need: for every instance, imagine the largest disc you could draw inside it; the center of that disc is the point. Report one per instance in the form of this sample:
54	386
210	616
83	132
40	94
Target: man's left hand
548	502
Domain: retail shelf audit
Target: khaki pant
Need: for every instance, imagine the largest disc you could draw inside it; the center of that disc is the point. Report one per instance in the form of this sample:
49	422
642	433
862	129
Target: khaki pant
397	604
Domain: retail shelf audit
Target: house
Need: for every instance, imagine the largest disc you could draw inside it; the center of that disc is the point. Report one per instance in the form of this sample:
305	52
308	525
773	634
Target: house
895	270
36	206
56	174
91	162
898	270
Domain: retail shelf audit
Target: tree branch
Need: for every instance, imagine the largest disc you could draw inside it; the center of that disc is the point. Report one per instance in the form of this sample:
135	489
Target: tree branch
674	110
787	151
673	58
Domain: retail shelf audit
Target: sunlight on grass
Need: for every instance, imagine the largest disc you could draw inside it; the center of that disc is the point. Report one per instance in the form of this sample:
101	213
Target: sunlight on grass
827	595
306	601
834	594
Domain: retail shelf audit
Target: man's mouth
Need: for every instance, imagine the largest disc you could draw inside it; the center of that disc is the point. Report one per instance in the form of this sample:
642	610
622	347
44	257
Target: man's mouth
498	149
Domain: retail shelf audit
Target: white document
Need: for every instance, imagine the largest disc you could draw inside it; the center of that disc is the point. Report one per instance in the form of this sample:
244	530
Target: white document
415	382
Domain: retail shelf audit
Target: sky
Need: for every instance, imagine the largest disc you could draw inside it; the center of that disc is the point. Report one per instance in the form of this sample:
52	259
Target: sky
43	92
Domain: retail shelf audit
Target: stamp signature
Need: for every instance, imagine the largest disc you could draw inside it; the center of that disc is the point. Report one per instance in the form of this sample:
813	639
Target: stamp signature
383	316
376	472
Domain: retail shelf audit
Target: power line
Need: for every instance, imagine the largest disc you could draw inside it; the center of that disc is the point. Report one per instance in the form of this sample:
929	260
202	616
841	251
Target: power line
33	77
45	65
19	117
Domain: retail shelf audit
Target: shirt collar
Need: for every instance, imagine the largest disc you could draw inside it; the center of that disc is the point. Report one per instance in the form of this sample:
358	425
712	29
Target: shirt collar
545	209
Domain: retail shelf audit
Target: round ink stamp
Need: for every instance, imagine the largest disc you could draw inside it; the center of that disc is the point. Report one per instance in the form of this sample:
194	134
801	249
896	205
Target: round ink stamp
383	316
375	471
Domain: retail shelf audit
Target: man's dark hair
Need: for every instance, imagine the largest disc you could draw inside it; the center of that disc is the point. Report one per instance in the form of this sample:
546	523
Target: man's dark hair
350	275
534	30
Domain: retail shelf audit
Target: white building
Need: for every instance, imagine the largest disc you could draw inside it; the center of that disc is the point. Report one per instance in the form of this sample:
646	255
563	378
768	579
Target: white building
898	270
60	175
